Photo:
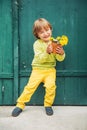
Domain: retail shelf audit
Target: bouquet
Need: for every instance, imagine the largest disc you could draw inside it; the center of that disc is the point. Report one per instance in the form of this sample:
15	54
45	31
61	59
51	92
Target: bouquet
59	41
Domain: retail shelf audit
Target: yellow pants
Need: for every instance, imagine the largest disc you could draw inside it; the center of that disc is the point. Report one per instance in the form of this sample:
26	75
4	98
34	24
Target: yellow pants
48	77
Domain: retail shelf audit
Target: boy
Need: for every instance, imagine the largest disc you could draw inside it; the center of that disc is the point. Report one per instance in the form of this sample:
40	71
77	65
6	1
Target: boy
43	67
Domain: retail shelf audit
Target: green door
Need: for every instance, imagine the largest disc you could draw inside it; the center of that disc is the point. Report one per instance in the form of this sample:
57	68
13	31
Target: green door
69	18
6	53
16	49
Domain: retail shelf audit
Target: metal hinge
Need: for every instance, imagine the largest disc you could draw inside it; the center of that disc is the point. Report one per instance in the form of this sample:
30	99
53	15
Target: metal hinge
3	89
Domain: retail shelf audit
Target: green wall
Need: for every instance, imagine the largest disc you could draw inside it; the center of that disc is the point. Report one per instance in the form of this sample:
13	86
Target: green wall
16	49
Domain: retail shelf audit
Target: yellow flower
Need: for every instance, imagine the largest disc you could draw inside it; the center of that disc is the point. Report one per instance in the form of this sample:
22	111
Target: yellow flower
58	38
63	40
51	38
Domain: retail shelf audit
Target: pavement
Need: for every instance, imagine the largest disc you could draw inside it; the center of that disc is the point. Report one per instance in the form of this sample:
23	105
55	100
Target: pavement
35	118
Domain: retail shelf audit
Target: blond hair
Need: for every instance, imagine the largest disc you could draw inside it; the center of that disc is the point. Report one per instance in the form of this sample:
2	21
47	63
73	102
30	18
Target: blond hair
39	24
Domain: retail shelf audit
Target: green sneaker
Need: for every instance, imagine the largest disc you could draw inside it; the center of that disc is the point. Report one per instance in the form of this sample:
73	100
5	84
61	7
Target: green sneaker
16	111
49	111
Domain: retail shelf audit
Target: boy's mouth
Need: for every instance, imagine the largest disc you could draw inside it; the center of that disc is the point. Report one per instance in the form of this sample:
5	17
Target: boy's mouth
47	36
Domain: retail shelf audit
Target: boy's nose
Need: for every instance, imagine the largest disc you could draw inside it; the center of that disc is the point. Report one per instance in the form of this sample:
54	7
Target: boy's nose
46	33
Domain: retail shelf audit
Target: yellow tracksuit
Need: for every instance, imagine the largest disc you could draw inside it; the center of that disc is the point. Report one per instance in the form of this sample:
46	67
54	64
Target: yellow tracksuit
44	71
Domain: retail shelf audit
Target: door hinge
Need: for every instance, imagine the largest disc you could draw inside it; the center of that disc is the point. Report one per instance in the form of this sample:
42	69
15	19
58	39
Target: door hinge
3	89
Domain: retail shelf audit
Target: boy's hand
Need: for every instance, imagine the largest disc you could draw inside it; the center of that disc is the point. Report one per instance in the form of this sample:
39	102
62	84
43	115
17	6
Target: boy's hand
49	49
59	50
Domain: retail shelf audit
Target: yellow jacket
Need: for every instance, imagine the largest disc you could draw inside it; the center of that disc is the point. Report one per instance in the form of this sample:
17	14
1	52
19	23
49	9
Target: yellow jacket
42	59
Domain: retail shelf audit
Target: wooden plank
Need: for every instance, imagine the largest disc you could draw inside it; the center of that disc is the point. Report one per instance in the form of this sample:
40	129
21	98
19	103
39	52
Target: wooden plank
15	46
6	53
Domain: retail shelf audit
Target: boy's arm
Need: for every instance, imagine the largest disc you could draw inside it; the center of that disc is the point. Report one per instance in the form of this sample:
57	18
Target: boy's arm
57	50
60	57
60	53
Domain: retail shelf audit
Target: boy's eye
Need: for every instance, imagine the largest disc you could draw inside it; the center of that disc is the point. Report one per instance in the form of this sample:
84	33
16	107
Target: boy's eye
47	29
44	31
41	32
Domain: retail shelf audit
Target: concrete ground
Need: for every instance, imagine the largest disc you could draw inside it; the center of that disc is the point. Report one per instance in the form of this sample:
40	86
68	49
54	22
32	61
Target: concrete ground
34	118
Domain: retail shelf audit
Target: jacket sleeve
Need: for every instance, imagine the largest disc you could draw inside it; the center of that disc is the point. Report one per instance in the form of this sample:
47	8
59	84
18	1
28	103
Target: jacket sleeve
60	57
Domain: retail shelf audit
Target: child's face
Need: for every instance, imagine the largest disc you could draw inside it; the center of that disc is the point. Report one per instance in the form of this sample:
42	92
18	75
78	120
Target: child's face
45	34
